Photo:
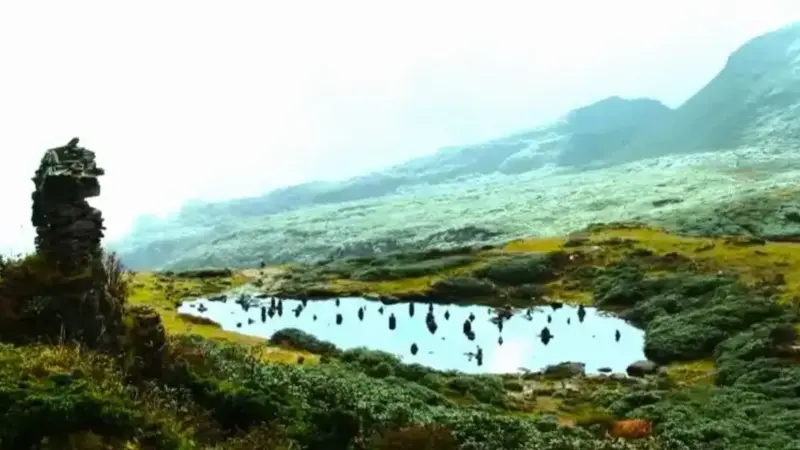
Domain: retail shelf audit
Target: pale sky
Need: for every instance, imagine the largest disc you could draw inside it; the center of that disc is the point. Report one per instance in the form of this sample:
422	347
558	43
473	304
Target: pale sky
212	99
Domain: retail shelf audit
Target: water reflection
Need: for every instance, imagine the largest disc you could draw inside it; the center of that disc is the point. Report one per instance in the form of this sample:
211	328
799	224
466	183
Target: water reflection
474	341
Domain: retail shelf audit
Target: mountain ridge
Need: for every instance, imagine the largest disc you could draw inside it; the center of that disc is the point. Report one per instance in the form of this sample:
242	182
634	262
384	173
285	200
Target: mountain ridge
746	111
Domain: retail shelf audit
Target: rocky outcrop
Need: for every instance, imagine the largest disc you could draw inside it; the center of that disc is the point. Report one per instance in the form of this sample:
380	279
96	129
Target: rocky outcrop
68	229
642	368
68	235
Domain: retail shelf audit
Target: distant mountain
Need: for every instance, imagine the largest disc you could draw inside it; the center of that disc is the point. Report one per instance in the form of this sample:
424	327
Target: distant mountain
584	136
752	103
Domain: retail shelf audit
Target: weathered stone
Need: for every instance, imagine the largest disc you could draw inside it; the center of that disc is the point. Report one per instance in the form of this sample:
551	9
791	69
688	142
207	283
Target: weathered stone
642	368
68	229
68	235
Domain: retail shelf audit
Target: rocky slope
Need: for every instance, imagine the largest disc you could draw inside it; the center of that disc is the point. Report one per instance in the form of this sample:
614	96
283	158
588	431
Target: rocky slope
753	101
738	126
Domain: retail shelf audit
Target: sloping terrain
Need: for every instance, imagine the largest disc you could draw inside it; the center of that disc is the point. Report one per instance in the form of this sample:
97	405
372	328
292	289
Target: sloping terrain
734	138
592	130
720	317
491	210
753	101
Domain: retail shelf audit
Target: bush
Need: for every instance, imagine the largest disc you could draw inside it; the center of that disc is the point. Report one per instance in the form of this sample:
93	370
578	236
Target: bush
458	288
518	270
38	302
416	437
486	388
200	273
400	270
117	280
70	391
757	394
300	340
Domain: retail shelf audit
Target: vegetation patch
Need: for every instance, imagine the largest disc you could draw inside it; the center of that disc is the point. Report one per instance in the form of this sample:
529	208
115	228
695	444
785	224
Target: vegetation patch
773	216
720	317
533	270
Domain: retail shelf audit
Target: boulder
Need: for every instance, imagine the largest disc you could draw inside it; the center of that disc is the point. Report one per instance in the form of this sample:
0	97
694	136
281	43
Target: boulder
642	368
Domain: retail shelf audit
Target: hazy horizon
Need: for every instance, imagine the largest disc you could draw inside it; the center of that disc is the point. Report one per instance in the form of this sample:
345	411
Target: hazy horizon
196	100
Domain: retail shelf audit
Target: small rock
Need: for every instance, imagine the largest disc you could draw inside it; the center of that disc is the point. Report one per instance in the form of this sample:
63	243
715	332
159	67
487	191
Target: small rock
641	368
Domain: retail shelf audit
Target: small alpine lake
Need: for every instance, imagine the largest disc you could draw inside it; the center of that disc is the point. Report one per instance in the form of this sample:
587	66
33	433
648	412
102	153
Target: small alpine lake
470	339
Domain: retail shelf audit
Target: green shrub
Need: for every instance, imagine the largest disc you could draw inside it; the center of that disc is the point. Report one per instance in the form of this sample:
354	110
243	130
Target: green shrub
523	269
300	340
485	388
71	391
513	385
399	270
201	273
458	288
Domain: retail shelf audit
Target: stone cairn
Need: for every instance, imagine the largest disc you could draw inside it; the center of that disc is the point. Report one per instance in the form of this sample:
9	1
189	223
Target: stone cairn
68	235
68	229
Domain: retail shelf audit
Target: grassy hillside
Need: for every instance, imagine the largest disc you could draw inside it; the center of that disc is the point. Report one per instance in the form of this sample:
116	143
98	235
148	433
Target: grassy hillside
720	316
672	190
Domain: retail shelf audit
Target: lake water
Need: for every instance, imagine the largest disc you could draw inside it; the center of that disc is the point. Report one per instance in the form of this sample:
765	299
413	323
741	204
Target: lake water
592	341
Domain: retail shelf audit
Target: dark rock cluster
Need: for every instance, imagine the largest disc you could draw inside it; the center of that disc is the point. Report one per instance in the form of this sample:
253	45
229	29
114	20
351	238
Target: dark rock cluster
68	229
68	235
